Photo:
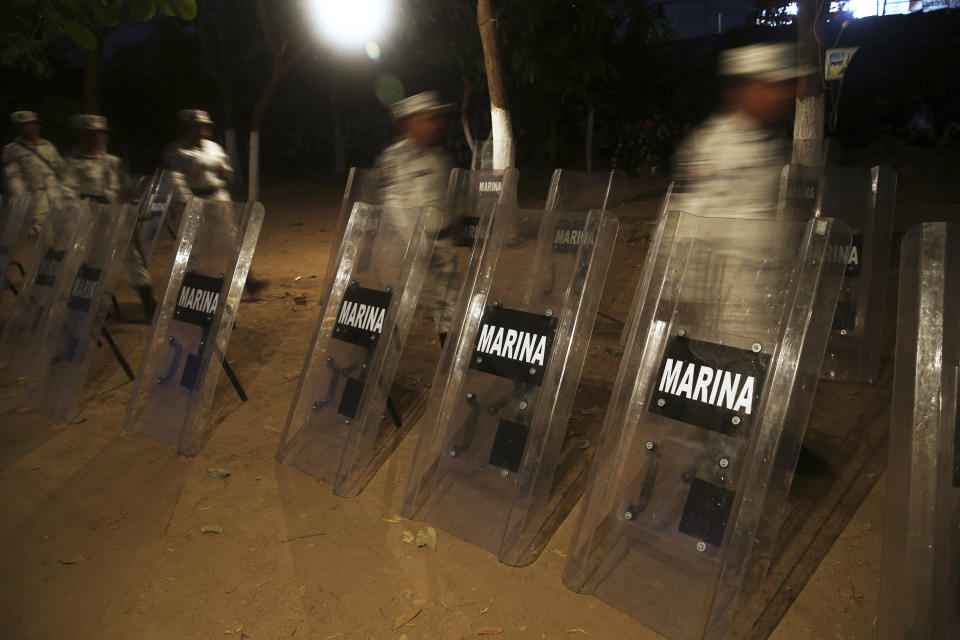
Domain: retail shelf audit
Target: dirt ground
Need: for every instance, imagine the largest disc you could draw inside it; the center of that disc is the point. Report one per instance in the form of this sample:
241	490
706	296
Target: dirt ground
101	531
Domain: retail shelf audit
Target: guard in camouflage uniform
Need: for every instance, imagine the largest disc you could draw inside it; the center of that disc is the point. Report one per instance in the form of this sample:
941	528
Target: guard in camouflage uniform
729	166
199	167
93	174
32	167
414	173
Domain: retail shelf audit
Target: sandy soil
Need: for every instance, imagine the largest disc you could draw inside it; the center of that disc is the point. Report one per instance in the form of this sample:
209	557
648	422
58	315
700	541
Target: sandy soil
100	530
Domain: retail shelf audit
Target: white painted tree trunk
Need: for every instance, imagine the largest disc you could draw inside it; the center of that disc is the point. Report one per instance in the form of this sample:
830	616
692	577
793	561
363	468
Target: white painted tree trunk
503	153
808	148
253	173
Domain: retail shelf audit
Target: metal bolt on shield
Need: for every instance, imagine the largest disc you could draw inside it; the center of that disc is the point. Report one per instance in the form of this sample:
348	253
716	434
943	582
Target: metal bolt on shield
661	402
724	463
533	371
523	404
757	347
735	419
650	446
628	515
701	546
681	332
478	360
504	473
452	453
548	312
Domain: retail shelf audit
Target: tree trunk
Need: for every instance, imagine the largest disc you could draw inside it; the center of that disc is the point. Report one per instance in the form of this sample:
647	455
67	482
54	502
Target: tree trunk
590	139
808	124
219	71
282	63
91	79
503	152
465	119
256	124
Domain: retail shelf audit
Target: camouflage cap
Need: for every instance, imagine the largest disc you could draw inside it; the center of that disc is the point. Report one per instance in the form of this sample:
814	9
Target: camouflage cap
426	101
23	117
195	116
89	122
769	62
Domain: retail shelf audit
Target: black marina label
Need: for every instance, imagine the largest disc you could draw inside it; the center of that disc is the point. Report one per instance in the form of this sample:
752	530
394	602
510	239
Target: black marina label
84	287
468	230
361	315
851	257
514	344
856	255
198	299
569	234
49	267
802	190
713	386
490	188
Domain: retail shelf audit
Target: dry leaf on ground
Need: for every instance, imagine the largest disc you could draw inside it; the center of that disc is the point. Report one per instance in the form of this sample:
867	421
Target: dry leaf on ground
405	618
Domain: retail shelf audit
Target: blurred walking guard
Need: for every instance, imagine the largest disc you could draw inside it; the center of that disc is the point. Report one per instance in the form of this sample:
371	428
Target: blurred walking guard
199	167
94	174
729	165
414	173
32	167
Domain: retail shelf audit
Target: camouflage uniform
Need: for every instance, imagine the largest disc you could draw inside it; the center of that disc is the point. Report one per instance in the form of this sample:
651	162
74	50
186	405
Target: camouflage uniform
415	177
195	170
729	167
34	170
101	178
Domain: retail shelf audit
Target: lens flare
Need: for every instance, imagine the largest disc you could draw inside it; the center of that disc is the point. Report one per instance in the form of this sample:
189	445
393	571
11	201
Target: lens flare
350	23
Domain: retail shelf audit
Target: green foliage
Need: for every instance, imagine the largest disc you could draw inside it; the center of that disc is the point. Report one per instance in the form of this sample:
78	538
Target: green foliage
26	23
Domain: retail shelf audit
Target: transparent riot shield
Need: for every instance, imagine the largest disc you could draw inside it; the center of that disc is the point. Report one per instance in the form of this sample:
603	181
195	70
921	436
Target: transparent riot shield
800	190
920	582
363	185
483	156
153	205
13	212
705	422
646	271
54	254
74	323
337	429
864	200
487	461
585	190
177	381
470	194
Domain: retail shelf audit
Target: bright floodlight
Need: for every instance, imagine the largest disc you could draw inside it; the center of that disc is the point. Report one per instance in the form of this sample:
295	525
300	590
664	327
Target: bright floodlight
350	22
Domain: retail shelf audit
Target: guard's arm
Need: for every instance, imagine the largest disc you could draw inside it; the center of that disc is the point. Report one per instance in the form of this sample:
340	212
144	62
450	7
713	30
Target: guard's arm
181	190
13	182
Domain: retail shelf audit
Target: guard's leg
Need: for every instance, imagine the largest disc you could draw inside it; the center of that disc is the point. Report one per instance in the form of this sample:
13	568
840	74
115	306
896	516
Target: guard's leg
140	280
442	286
